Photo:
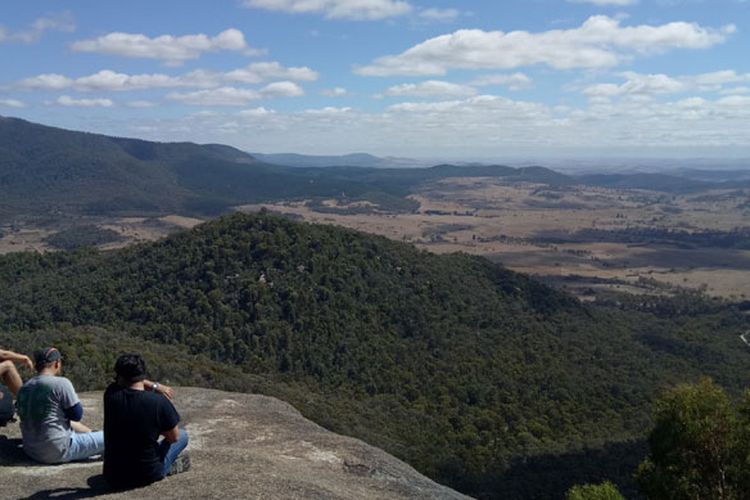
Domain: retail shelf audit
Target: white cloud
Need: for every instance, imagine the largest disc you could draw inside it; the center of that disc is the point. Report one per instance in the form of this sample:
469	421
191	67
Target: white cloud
478	126
431	88
62	22
330	111
735	91
84	103
637	84
256	112
108	80
363	10
281	89
599	42
716	79
12	103
515	81
223	96
654	84
736	102
483	103
617	3
440	15
141	104
172	50
263	71
335	92
47	81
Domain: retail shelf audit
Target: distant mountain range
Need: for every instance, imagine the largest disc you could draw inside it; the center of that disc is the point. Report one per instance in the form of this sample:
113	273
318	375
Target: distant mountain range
350	160
46	171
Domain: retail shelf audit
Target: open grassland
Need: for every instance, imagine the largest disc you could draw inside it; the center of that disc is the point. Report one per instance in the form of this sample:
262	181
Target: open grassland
582	238
36	237
564	234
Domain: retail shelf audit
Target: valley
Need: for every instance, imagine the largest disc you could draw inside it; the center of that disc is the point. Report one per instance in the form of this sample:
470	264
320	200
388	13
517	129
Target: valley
361	295
589	240
583	238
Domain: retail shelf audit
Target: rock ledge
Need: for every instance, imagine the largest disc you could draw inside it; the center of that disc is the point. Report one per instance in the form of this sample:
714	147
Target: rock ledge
241	446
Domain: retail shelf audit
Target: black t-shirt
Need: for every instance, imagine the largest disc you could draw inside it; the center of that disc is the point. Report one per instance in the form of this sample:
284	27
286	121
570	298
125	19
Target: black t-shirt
133	422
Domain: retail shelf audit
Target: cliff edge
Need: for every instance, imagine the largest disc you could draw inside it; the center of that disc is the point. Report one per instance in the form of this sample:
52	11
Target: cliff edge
241	446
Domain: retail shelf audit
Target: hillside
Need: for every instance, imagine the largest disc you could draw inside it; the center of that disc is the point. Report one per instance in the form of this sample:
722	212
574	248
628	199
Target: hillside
241	446
48	172
481	378
348	160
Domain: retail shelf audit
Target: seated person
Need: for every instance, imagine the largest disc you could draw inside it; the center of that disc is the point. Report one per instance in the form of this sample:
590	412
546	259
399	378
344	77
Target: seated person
8	372
51	415
134	419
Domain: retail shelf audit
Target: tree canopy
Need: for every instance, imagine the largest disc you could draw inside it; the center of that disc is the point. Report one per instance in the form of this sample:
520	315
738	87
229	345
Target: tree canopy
480	377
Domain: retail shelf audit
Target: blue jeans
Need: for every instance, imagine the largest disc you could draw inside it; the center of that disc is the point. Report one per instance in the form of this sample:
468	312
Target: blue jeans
84	445
169	451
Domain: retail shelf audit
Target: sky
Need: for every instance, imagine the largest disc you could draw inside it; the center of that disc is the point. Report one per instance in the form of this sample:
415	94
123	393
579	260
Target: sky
459	79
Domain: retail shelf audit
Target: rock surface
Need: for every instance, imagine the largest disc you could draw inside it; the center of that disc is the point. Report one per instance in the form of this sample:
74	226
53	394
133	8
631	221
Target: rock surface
241	446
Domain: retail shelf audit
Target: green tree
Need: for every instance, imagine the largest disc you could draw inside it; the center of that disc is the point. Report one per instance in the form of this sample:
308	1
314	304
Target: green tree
603	491
694	446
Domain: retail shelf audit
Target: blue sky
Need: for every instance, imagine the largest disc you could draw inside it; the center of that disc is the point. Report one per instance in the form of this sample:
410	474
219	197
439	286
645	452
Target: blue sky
434	78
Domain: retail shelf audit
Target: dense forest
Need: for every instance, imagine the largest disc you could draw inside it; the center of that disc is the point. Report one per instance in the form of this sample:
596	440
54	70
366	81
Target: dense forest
482	378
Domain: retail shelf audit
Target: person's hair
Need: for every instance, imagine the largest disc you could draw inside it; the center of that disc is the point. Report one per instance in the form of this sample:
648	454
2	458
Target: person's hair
130	368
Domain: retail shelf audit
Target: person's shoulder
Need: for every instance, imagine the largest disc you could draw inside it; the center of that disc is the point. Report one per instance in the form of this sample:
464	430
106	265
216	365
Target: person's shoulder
33	380
156	398
29	384
63	382
39	381
112	388
159	400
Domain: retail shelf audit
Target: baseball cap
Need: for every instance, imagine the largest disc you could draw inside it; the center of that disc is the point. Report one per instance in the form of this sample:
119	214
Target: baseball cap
45	356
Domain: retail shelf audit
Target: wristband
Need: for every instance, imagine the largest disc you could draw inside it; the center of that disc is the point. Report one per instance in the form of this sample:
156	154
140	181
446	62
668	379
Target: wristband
155	386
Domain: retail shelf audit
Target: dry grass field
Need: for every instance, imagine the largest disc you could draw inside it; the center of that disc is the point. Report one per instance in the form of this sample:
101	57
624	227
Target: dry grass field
517	225
130	229
526	227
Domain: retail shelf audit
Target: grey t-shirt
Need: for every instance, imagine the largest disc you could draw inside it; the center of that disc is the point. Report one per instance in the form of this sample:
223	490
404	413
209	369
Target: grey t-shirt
41	404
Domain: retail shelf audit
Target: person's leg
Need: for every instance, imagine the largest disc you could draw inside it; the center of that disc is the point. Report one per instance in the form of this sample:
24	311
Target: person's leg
84	445
10	377
171	450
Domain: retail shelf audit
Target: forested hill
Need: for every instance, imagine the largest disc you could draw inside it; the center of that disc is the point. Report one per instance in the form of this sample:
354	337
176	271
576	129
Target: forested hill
481	378
47	172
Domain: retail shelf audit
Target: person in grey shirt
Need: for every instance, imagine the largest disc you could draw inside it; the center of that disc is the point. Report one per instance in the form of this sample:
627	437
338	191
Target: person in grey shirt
51	415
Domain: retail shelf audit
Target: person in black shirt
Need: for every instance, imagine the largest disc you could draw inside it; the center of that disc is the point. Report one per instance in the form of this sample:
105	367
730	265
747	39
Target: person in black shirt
134	419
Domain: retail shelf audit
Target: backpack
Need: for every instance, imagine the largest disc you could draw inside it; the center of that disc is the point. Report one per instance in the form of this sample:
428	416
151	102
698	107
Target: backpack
7	410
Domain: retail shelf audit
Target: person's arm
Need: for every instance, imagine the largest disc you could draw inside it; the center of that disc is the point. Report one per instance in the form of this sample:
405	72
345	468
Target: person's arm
172	435
71	406
79	427
158	388
16	358
74	413
168	418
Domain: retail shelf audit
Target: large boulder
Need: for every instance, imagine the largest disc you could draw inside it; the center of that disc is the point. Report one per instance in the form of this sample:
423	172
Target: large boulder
241	446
